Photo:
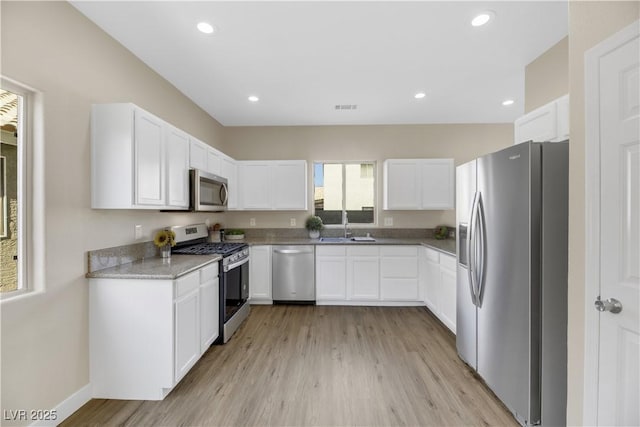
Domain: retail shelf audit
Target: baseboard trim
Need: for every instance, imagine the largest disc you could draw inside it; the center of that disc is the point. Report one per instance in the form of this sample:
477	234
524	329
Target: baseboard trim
67	407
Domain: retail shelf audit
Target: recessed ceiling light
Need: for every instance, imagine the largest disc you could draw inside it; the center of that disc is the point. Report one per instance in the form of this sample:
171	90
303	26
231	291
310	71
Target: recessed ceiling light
507	102
419	95
253	98
482	18
205	27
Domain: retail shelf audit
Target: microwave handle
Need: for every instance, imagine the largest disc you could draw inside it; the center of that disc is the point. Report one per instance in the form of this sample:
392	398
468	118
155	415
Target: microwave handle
224	194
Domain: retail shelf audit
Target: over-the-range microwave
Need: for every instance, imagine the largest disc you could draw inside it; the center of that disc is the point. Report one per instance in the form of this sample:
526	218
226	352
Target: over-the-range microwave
209	192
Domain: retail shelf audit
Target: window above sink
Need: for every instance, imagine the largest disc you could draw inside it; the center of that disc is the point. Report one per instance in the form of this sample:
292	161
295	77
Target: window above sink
341	187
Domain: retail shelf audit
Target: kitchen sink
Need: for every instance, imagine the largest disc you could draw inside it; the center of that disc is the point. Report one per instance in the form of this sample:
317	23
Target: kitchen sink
334	239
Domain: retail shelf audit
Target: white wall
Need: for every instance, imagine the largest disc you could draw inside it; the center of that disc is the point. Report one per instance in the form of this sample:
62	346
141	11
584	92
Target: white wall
53	48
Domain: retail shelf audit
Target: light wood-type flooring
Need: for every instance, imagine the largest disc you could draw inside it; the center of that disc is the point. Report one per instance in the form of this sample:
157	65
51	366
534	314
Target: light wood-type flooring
321	366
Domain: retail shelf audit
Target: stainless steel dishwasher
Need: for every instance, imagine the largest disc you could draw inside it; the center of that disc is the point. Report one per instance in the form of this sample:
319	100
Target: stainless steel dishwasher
293	275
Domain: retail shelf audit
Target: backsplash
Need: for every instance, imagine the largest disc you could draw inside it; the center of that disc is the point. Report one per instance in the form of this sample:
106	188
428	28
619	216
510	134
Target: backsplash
302	233
111	257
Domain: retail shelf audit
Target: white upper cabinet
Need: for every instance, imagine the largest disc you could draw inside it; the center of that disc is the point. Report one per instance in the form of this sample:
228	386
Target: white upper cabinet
149	167
437	183
418	184
214	161
547	123
273	185
255	185
138	161
204	157
177	168
402	184
290	185
229	170
197	154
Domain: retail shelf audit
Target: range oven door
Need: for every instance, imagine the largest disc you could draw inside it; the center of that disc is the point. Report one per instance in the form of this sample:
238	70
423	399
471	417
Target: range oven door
236	287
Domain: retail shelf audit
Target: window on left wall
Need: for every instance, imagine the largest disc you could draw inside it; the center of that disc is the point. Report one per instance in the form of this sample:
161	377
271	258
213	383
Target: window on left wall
12	139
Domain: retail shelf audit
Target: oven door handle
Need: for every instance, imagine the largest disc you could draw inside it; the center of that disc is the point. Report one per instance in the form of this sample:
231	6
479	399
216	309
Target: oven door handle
228	267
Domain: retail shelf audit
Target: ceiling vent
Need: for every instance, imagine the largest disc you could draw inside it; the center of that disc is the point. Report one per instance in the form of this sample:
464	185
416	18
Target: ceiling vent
346	107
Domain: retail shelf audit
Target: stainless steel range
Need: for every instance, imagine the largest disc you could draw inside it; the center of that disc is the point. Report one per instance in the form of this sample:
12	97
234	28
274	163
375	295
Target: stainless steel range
234	280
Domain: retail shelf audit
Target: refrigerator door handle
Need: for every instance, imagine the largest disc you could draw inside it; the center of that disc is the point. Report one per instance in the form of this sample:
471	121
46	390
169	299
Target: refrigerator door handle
471	250
482	245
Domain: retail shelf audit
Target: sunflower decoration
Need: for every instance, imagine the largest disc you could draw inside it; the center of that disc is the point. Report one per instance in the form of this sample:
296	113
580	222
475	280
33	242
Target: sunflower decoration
164	238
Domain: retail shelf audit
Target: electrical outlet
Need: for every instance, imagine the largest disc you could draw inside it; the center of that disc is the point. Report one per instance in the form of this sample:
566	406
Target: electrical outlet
388	221
252	222
138	232
292	222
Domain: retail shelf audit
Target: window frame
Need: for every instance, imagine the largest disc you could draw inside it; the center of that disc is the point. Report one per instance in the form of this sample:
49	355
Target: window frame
374	163
4	223
31	184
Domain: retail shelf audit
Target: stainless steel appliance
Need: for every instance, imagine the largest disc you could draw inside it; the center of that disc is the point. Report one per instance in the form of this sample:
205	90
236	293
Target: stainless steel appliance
293	276
208	192
512	276
234	277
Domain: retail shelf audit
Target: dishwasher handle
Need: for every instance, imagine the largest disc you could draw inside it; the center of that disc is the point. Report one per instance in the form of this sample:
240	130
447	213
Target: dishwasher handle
293	251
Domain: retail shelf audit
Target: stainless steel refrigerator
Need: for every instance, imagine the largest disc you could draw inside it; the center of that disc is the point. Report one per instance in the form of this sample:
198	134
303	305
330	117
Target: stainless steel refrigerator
512	222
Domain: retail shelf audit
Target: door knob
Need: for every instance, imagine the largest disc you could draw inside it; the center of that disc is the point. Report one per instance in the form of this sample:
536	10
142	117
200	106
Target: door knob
612	305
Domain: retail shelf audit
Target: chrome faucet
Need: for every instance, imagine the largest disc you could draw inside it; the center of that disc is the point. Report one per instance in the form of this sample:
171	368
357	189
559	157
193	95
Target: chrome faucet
347	233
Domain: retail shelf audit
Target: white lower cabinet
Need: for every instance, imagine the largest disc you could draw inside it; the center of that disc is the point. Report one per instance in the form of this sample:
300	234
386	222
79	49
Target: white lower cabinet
331	273
260	275
448	295
363	273
399	273
187	330
209	306
439	284
145	335
367	275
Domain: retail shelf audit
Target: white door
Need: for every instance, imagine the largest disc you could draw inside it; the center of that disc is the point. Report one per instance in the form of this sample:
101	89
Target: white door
613	77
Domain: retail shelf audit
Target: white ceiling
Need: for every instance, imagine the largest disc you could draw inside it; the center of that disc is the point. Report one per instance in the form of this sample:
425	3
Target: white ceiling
304	58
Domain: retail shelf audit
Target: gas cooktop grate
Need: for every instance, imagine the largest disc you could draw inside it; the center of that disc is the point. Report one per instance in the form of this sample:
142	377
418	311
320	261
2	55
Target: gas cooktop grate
210	248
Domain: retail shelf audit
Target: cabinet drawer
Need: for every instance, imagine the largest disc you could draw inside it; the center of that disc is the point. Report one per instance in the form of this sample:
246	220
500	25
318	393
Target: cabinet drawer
186	284
448	262
209	272
432	255
331	250
399	251
398	267
363	251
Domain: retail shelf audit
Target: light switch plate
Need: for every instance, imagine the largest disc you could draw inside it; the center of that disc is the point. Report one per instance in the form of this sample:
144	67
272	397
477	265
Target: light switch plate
138	232
388	221
292	222
252	222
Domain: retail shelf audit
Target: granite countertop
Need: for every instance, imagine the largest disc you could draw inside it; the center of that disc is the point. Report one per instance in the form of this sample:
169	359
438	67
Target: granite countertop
156	268
448	246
